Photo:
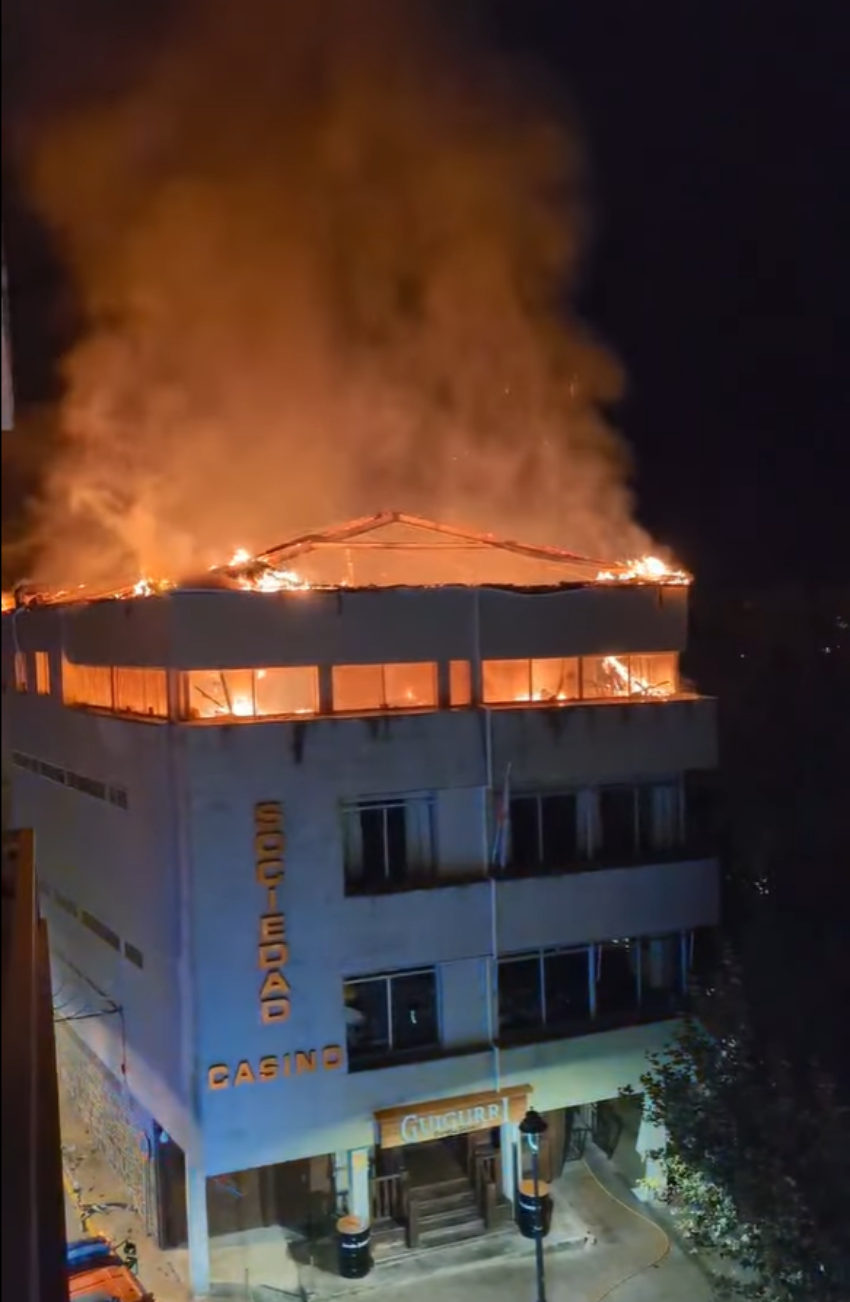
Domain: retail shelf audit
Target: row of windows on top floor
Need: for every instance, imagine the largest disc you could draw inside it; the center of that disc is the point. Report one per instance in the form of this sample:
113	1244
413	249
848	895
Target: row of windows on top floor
549	993
303	690
393	844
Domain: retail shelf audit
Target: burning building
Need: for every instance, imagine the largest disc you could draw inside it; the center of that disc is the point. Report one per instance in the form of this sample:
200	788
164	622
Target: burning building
353	849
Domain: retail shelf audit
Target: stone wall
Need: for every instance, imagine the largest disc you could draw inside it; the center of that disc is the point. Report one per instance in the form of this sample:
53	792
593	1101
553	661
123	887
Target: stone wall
120	1128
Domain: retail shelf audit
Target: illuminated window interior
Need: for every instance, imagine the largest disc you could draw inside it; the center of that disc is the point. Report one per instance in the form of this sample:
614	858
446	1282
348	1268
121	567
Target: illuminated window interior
87	685
21	675
141	691
460	682
361	688
42	673
252	693
507	681
654	674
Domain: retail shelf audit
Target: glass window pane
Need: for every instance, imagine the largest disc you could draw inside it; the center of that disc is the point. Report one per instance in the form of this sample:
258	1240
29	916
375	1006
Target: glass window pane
525	832
654	675
567	980
520	1006
559	824
662	975
373	833
410	686
292	690
366	1018
358	688
414	1011
554	680
460	682
505	681
617	822
22	677
42	673
616	981
604	676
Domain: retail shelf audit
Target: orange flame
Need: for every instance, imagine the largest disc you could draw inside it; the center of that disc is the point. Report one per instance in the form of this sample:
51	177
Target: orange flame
645	569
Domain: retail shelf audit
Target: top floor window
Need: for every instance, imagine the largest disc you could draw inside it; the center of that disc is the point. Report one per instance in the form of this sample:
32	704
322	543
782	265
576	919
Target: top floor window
359	689
251	693
42	673
590	678
87	685
21	672
508	681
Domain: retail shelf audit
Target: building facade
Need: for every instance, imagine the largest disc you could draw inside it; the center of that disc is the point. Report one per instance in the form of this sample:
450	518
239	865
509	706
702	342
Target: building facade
341	872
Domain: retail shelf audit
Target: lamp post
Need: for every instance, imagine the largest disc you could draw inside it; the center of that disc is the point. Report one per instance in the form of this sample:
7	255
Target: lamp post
533	1128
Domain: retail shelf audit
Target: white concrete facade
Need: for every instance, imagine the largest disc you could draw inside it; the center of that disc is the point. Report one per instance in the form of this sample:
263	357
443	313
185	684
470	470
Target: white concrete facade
170	867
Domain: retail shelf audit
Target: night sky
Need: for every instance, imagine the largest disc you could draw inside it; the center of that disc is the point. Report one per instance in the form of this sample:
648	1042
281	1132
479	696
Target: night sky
717	137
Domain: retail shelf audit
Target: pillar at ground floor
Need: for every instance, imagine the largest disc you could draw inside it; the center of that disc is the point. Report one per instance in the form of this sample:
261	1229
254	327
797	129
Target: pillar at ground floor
198	1231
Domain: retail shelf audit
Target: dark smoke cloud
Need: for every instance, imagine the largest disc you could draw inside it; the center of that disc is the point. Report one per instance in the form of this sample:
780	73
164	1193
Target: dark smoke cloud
324	252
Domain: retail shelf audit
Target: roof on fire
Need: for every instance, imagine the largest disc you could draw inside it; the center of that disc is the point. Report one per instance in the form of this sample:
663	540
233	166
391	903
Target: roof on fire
396	549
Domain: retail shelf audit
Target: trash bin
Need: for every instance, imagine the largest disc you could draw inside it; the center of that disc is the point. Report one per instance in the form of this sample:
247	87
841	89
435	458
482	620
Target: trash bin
353	1244
533	1214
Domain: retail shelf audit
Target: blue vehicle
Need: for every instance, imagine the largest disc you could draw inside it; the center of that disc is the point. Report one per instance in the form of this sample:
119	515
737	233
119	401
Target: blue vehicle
89	1253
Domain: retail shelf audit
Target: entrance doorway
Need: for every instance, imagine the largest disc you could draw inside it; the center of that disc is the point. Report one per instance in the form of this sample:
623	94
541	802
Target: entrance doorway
171	1190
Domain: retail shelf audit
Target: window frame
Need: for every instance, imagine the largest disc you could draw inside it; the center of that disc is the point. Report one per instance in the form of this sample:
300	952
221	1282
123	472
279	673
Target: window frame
368	1060
384	707
420	875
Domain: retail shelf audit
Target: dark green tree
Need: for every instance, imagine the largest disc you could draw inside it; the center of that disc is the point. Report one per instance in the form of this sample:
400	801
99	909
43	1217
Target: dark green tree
756	1155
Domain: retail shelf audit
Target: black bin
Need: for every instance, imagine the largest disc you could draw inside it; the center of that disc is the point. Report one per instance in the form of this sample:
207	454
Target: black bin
533	1214
353	1247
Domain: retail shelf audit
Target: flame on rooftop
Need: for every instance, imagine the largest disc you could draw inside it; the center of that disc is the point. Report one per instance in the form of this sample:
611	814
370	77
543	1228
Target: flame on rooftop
386	550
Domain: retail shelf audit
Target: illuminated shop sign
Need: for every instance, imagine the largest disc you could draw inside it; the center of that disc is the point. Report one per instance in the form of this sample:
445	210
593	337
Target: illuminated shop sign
272	947
419	1122
275	1067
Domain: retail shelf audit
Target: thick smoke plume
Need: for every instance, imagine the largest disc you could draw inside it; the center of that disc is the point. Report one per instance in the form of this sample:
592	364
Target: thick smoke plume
324	252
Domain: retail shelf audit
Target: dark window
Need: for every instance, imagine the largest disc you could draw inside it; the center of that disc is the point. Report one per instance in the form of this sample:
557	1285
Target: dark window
520	994
52	773
388	844
662	974
566	980
702	809
544	831
100	929
618	822
617	978
390	1015
134	955
414	1011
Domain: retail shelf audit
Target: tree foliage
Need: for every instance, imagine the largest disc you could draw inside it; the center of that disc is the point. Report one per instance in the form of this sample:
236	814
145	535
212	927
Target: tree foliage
756	1155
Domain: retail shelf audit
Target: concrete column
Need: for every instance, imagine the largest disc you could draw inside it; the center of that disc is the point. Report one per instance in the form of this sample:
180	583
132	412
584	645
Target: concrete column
359	1202
508	1141
654	1181
198	1226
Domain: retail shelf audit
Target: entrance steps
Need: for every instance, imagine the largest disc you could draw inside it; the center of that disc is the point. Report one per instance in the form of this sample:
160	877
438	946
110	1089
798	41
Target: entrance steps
444	1213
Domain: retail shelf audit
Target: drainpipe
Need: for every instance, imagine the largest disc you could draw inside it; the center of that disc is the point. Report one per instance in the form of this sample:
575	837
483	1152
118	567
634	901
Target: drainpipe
494	914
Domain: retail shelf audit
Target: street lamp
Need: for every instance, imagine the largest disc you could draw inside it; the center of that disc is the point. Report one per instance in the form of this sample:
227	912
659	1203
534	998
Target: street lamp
533	1128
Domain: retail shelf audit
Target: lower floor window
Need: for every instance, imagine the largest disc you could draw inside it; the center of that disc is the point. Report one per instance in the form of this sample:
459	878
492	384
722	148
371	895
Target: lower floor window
389	1015
618	979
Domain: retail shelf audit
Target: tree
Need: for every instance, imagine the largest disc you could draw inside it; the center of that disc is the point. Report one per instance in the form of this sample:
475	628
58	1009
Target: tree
756	1154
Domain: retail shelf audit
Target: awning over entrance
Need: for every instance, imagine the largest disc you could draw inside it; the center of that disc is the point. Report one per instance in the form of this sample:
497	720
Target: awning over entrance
416	1123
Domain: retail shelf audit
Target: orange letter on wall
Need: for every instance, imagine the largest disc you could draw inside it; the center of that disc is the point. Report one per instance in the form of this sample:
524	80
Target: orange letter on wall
218	1077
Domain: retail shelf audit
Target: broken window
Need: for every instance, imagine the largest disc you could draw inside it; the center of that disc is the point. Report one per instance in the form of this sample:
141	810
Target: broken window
604	676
